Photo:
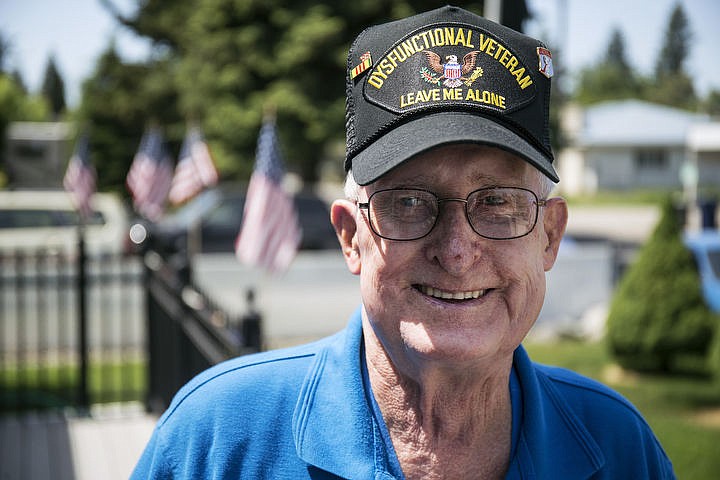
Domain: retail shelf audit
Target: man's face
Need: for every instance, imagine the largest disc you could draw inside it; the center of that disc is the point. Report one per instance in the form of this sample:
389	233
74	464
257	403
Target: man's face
404	284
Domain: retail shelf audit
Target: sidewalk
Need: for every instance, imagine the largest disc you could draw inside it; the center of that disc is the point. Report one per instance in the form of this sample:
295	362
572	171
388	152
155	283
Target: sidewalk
106	445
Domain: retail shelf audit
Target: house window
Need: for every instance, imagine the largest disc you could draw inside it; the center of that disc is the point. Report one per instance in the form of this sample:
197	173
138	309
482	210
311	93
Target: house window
29	150
651	159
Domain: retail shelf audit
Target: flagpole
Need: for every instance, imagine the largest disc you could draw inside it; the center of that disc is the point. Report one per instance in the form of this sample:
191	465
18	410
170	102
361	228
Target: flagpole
80	182
269	117
194	239
194	172
83	390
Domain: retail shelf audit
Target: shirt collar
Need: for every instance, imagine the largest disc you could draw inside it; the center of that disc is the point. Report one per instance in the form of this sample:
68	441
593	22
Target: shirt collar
554	442
333	425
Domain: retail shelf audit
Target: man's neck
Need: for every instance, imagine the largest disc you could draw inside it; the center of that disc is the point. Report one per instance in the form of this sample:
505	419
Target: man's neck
444	424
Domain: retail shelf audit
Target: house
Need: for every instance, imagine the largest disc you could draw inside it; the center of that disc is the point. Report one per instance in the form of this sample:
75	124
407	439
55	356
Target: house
703	148
628	144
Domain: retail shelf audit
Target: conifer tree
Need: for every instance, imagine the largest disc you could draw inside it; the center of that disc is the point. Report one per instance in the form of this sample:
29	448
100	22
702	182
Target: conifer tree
53	88
672	85
612	78
676	44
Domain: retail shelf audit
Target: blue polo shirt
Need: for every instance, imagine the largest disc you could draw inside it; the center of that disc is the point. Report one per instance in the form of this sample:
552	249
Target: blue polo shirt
308	412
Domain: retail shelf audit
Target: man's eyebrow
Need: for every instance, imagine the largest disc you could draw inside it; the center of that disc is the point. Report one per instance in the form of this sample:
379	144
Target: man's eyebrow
488	180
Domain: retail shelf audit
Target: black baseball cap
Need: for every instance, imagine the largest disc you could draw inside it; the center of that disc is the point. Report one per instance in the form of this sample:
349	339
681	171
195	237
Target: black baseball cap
442	77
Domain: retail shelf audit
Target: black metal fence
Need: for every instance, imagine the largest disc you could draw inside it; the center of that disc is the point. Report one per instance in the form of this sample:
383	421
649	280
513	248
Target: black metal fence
187	331
77	330
71	332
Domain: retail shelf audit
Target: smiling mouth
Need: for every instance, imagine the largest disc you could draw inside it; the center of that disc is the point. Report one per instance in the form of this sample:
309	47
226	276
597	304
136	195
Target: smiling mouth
445	295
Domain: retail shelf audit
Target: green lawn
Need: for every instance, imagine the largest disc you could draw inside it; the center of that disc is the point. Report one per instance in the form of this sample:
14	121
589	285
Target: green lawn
684	412
43	387
632	197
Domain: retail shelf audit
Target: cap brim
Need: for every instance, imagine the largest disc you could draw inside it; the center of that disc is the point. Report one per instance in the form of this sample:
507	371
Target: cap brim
443	128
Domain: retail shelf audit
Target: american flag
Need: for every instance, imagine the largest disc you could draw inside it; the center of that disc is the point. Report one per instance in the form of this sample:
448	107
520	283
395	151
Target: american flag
270	233
195	169
80	177
150	176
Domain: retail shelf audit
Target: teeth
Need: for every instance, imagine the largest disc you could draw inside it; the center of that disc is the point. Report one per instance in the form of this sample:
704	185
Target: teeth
434	292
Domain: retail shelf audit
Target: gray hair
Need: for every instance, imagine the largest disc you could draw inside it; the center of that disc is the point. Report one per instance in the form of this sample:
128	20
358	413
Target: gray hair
546	186
352	189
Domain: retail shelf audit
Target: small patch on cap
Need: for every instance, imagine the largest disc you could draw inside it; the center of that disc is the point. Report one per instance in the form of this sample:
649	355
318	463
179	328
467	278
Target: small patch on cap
365	63
545	64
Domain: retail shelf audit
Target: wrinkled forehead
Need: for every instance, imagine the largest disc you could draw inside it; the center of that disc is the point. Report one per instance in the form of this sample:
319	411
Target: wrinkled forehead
461	165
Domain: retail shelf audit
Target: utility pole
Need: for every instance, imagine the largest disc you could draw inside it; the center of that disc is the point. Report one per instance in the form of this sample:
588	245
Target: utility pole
493	10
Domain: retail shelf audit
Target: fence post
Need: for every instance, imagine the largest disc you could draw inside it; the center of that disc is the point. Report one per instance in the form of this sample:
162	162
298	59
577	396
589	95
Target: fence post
82	393
252	324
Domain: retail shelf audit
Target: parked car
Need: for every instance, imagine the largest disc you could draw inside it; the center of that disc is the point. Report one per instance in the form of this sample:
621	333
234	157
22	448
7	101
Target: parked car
705	246
47	220
212	220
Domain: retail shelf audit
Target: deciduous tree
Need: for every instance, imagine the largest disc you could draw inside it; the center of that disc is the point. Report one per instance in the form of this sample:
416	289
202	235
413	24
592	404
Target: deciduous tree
225	61
118	101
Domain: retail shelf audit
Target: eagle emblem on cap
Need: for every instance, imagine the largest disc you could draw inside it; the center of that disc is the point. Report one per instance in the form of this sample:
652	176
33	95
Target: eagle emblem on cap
452	72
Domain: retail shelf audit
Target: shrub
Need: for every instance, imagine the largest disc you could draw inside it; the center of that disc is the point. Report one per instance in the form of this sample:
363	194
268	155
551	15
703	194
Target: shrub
658	316
713	359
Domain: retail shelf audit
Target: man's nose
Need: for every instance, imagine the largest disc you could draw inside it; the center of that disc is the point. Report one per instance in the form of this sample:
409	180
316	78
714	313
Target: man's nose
455	244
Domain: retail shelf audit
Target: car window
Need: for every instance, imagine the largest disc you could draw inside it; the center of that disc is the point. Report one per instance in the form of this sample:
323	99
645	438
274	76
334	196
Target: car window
313	213
31	218
64	218
26	219
198	207
227	214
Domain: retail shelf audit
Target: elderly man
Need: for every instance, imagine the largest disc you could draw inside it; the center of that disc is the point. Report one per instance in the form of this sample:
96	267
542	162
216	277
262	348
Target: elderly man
449	224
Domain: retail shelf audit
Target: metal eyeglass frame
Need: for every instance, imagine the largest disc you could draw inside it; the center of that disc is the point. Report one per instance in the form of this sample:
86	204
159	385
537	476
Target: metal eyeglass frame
538	204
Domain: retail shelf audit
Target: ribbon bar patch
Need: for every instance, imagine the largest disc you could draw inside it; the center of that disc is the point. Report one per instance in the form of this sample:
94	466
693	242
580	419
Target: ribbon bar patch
365	63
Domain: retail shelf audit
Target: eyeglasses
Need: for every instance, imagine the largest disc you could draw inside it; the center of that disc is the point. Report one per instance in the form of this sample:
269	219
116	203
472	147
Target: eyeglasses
498	213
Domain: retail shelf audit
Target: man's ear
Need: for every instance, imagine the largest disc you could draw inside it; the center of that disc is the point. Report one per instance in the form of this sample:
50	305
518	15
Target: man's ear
343	215
555	219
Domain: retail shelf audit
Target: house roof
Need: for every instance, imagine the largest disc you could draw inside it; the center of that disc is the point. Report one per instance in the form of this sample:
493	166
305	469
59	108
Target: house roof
633	123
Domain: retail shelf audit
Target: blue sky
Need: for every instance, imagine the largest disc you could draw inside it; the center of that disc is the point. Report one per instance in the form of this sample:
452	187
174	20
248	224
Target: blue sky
76	32
589	23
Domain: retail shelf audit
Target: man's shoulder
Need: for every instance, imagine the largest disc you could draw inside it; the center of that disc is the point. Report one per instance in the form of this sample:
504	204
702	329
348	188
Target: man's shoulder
573	383
587	397
259	364
595	411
